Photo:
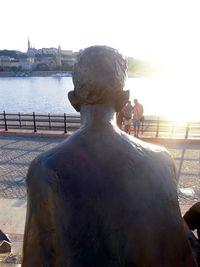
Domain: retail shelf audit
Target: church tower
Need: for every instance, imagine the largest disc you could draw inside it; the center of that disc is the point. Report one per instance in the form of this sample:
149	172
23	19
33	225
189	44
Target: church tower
29	45
30	50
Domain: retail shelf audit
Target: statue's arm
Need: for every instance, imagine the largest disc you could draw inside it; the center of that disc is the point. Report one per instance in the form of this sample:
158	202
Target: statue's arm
39	228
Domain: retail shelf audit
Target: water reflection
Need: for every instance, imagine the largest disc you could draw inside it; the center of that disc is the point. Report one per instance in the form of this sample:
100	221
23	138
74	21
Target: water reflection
39	94
173	97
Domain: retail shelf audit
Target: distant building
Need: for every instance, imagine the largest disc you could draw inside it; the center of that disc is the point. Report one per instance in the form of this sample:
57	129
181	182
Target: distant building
67	52
47	51
15	63
27	63
7	62
42	51
5	59
48	60
42	59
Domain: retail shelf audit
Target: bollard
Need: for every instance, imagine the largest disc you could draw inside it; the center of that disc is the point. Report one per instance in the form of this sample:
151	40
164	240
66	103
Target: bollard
187	130
157	130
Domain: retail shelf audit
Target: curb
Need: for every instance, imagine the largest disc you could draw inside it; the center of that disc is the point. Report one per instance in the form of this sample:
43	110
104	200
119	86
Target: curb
170	141
62	135
27	133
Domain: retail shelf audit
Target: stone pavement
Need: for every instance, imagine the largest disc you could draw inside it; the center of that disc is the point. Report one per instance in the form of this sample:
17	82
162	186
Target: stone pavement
16	153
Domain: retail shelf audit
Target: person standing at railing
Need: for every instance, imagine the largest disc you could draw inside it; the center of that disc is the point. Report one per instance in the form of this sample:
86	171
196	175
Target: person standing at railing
128	110
138	111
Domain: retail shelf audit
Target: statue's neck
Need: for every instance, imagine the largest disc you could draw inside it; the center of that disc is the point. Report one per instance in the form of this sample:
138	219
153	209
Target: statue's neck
97	116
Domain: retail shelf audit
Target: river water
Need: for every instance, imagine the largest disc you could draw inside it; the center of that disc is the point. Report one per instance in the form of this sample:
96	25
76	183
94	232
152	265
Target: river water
162	97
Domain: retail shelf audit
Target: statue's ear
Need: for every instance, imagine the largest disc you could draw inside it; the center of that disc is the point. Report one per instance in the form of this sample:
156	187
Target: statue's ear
121	100
74	101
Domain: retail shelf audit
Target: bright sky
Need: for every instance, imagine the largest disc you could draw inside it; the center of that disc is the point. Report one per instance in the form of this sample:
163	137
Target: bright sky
150	29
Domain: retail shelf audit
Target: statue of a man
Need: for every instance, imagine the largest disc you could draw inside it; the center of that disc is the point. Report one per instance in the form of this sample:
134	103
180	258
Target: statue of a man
103	198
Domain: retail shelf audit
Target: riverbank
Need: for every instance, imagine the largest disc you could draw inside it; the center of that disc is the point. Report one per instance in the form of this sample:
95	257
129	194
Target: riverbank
36	74
49	74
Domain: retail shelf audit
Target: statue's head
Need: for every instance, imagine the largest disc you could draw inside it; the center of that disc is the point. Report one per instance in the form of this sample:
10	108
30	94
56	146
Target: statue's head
99	78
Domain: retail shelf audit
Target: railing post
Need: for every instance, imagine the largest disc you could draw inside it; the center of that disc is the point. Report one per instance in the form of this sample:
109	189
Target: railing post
49	121
173	125
65	123
142	131
187	130
5	122
157	130
20	125
34	123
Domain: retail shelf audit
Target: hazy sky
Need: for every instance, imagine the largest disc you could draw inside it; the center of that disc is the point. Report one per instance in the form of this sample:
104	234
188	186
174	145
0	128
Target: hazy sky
151	29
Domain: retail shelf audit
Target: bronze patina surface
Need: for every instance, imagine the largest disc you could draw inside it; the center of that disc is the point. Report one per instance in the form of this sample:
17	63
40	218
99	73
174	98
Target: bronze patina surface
103	198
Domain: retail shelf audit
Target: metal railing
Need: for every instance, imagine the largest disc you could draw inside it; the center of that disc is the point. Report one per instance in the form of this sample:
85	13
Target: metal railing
160	128
153	127
39	121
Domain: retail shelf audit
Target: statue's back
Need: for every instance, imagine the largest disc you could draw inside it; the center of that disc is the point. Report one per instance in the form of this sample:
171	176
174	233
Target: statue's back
108	205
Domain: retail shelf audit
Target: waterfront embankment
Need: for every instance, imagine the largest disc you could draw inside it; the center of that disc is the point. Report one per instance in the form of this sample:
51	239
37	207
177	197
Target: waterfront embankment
47	73
32	73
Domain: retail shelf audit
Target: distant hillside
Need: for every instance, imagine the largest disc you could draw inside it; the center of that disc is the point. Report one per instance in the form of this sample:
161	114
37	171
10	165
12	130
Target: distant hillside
12	53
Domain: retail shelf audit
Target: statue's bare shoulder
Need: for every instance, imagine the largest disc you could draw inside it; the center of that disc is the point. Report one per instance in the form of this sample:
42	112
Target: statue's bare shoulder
79	150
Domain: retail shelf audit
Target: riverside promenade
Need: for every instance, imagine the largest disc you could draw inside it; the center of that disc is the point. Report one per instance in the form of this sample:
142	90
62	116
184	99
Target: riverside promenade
16	153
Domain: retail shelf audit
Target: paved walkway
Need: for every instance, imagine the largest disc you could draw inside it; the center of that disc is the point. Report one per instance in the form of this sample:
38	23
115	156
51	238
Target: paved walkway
16	153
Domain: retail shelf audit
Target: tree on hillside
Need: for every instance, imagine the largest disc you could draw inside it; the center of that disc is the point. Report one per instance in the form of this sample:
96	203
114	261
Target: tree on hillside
12	53
16	68
42	67
67	67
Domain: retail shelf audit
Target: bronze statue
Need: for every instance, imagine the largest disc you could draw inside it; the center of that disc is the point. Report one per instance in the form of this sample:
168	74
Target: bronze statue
103	198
